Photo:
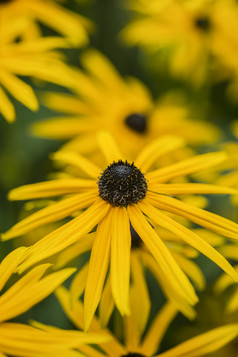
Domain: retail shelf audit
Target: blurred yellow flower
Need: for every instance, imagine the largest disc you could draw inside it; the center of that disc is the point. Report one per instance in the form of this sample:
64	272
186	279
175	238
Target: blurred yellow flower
67	23
33	58
22	340
197	34
125	193
139	342
123	106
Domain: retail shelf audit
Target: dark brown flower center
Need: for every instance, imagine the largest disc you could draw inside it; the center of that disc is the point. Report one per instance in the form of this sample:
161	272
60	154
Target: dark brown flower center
5	1
122	184
203	23
137	122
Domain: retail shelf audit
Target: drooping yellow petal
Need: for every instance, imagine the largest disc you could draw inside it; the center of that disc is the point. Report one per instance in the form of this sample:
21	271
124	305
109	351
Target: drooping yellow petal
158	329
156	149
98	266
79	161
203	344
191	269
186	167
161	254
232	305
140	307
66	235
78	284
52	213
108	147
203	218
120	259
50	188
106	304
189	237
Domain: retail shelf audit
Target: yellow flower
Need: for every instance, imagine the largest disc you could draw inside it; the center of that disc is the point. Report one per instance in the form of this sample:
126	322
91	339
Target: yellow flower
125	193
35	58
197	34
69	24
22	340
138	344
125	107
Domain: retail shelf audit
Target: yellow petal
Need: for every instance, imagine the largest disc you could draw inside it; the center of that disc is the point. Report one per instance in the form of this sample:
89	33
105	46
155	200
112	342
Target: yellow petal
52	213
190	188
161	254
6	107
98	266
106	304
108	147
186	167
66	235
203	218
189	237
120	259
50	188
158	329
79	161
206	343
156	149
78	284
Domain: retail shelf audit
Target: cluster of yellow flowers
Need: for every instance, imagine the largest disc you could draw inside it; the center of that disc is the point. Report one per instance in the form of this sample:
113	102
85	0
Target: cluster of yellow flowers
133	181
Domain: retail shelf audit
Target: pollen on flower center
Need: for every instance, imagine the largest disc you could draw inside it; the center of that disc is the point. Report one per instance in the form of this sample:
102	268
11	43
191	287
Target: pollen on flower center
203	23
137	122
122	184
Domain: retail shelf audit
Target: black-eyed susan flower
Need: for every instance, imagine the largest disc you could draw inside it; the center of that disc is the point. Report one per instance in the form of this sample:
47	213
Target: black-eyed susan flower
34	58
144	342
102	99
50	13
121	193
198	35
18	339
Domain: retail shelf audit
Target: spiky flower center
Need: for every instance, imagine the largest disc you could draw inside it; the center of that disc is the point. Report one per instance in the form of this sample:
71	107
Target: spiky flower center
137	122
203	23
122	184
131	354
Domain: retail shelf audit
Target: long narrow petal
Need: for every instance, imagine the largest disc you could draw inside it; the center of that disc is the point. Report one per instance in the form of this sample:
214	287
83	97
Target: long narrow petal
6	107
9	264
50	188
158	329
189	237
52	213
203	218
106	304
120	259
37	291
79	161
201	345
161	254
156	149
98	266
19	89
186	167
108	147
190	188
66	235
78	284
140	307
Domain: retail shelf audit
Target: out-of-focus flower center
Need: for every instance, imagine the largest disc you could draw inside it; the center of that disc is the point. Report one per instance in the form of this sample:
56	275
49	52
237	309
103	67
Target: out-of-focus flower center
203	23
5	1
137	122
131	354
122	184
